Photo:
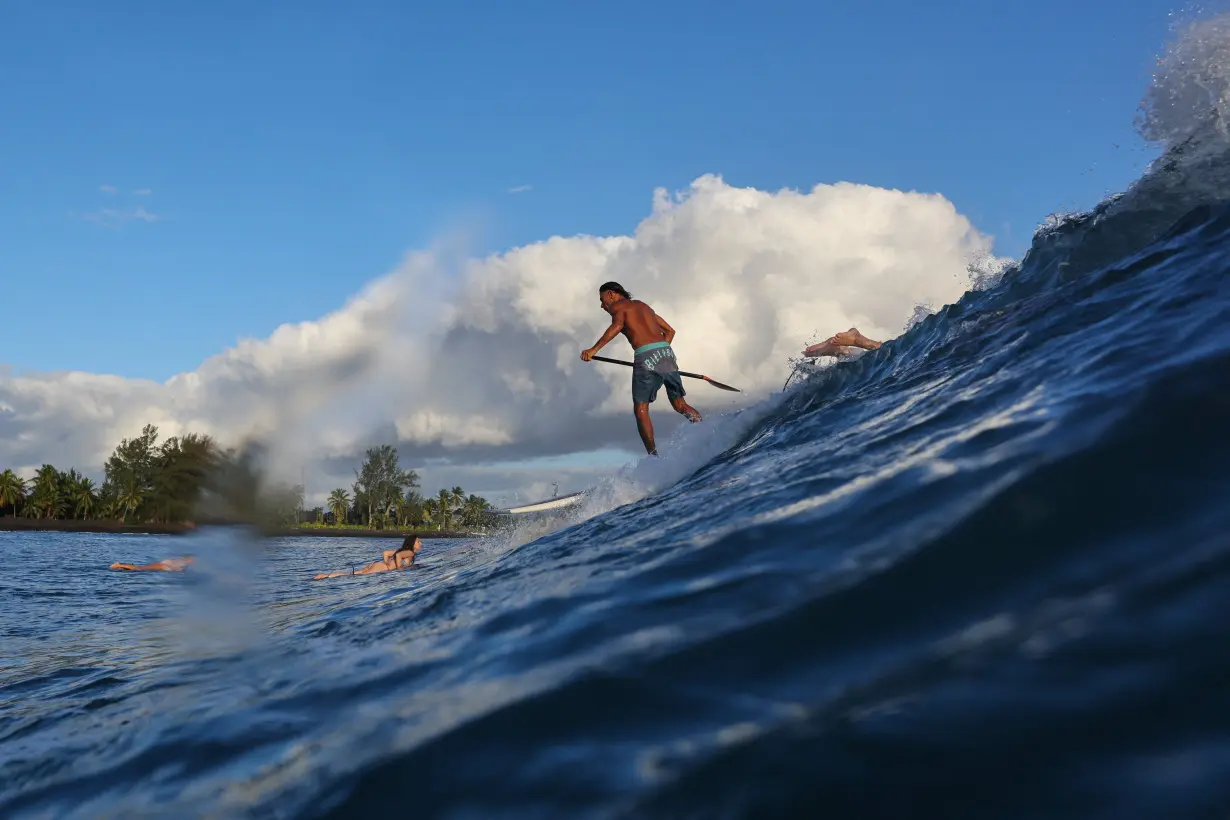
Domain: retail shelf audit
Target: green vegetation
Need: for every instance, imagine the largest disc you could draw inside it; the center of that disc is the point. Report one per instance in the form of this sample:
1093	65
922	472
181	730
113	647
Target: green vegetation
190	478
385	495
145	482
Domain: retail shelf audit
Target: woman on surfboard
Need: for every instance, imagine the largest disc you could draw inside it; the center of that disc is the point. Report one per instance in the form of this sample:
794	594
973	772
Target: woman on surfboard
400	558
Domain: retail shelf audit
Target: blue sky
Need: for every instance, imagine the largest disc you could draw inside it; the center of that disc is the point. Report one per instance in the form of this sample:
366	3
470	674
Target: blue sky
294	155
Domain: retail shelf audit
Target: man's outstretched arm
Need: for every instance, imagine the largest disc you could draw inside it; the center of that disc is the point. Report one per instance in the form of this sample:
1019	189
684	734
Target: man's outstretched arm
617	325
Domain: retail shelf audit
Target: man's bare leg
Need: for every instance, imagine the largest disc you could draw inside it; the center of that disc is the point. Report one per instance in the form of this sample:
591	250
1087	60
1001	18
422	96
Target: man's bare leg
684	409
840	344
644	426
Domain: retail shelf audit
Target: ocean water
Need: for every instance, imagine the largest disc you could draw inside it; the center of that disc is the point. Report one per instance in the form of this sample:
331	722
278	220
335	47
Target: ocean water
983	571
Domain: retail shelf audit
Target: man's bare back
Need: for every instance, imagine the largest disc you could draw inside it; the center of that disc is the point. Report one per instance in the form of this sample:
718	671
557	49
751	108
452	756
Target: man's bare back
641	326
635	320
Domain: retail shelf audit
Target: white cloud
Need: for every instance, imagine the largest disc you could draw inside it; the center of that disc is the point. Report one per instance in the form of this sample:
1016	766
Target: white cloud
107	189
470	363
113	218
143	192
520	189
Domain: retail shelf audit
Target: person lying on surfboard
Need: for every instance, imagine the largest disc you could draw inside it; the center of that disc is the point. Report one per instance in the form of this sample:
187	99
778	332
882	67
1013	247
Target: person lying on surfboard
654	362
841	344
400	558
165	565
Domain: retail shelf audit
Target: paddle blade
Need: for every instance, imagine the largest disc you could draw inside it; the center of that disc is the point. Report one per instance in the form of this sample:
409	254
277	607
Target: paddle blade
721	386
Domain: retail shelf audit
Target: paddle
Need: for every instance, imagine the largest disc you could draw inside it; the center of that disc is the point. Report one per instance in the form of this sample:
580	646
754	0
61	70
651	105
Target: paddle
718	385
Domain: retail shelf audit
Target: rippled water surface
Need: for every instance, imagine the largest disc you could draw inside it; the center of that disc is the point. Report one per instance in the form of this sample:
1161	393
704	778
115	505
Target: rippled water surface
983	571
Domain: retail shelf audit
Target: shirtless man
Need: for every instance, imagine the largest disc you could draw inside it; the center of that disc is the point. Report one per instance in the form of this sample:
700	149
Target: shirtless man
841	344
400	558
165	565
653	359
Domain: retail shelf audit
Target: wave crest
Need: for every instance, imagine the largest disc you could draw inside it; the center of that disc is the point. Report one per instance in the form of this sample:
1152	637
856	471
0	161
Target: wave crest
1190	90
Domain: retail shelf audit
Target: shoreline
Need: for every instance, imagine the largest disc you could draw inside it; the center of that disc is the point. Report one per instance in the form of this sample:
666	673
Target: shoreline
11	524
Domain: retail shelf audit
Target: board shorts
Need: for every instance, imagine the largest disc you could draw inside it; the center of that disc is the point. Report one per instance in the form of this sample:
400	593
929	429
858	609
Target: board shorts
654	365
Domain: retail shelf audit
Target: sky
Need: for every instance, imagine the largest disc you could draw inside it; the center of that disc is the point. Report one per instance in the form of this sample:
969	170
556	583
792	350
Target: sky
205	206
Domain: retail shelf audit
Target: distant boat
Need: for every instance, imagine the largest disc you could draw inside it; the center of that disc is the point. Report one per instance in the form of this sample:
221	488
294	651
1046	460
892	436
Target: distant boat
559	502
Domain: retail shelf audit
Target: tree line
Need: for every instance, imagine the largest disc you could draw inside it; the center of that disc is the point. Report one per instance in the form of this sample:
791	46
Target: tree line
190	477
385	494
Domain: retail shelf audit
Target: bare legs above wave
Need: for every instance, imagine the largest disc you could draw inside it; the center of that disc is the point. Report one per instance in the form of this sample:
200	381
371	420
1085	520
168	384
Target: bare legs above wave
644	425
841	344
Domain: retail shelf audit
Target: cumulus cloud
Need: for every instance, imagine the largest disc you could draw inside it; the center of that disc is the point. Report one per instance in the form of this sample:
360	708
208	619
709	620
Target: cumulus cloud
472	365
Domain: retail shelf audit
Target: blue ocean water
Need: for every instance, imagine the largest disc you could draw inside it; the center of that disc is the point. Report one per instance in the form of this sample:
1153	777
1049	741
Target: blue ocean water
983	571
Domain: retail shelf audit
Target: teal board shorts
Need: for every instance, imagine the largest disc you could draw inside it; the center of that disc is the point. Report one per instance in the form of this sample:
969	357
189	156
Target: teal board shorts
654	365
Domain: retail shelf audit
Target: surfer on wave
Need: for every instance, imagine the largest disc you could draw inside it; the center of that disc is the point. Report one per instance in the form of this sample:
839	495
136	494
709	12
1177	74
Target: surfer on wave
654	361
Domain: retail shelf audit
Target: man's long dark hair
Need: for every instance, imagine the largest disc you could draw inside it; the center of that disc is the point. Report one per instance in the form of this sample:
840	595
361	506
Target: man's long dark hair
616	288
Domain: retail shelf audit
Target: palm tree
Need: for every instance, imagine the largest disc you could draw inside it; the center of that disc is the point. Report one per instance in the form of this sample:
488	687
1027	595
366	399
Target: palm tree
401	510
107	507
473	510
47	501
413	510
446	507
459	497
430	511
46	497
129	499
339	503
66	486
12	490
84	496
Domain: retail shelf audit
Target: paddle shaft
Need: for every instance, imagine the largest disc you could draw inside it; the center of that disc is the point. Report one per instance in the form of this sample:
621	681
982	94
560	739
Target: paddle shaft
681	373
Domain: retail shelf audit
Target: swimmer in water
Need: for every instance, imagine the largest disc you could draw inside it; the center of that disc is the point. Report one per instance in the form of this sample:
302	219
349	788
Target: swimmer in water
400	558
165	565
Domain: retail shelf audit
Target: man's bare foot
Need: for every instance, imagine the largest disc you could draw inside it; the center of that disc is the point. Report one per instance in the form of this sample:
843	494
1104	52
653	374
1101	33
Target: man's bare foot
686	410
840	344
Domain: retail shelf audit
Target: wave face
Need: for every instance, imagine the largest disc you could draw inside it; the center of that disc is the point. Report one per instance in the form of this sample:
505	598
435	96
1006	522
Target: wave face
983	571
